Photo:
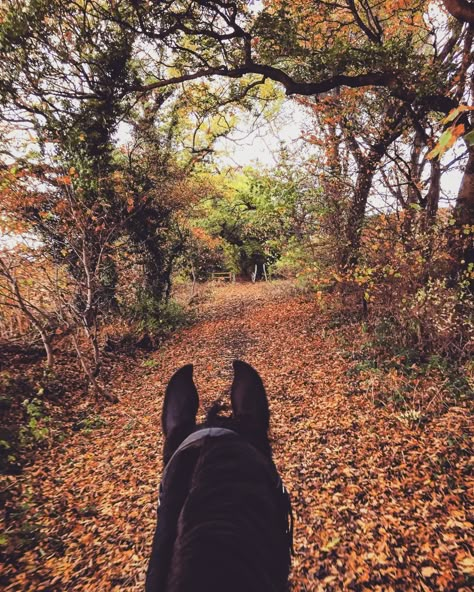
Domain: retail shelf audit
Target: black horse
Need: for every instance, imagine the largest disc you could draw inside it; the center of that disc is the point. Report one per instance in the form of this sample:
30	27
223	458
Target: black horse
225	519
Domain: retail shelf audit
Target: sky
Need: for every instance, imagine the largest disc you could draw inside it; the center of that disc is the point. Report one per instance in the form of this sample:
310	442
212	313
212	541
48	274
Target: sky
260	147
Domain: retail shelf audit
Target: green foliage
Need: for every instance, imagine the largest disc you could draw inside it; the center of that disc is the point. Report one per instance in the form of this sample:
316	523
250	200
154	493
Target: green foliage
149	364
92	422
35	430
449	137
263	217
27	533
159	319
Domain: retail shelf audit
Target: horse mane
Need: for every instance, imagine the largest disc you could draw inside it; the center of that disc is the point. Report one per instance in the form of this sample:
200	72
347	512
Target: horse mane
224	527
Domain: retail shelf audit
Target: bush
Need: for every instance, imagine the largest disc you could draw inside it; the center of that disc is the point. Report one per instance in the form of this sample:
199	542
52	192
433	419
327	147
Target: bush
159	319
410	299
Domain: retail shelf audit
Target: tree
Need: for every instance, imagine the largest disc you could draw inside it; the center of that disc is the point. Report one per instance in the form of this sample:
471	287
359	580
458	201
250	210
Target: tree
463	10
258	217
308	47
368	123
16	282
64	84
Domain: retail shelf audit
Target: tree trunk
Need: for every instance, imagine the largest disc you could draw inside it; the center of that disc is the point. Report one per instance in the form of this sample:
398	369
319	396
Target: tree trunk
463	10
432	197
155	272
355	218
431	202
413	196
391	128
462	247
47	348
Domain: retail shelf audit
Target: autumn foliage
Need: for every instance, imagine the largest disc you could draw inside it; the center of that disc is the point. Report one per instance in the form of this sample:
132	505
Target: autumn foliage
353	256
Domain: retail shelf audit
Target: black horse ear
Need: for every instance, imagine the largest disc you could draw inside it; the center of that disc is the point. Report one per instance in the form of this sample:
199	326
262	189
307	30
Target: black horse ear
249	400
181	401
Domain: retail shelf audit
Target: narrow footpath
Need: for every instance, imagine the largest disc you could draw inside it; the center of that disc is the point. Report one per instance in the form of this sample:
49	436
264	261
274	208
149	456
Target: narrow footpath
380	504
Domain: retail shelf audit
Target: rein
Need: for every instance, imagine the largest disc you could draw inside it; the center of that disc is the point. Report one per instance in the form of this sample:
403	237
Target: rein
196	440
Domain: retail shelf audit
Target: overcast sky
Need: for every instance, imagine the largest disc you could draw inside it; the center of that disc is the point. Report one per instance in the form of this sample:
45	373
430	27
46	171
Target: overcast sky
260	146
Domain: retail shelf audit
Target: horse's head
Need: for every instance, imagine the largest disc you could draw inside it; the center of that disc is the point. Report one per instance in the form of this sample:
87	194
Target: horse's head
250	414
225	517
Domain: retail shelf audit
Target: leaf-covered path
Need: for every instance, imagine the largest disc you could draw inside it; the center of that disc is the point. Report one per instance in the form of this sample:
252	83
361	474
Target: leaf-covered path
380	504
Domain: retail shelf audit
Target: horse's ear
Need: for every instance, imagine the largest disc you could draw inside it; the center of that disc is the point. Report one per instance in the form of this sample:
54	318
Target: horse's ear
181	401
249	400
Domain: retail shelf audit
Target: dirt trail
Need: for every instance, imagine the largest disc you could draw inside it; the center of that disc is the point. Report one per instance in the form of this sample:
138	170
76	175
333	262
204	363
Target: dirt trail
379	505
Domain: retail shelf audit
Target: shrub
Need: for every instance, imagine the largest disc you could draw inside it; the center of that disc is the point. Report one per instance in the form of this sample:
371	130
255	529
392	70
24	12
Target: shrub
159	319
410	299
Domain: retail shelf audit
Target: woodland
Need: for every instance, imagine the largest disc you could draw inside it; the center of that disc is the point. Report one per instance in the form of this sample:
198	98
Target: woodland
133	241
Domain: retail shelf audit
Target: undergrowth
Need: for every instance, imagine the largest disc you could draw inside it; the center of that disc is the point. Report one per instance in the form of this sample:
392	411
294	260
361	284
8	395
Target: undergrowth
416	384
159	319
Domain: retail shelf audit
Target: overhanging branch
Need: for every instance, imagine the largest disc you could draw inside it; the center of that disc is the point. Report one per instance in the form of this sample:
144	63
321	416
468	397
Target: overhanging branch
292	87
388	79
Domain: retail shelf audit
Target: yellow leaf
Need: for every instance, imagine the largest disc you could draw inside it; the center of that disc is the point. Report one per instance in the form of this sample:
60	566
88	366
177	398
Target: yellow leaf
466	564
331	544
428	571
